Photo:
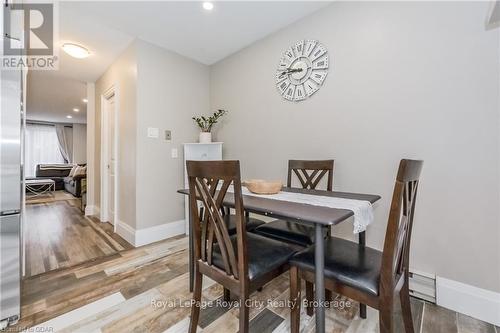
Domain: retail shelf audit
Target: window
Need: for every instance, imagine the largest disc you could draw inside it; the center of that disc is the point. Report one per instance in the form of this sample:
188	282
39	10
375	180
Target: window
42	147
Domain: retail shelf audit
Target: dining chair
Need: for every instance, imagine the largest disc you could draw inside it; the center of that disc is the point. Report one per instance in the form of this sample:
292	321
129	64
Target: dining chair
309	174
365	274
241	263
230	220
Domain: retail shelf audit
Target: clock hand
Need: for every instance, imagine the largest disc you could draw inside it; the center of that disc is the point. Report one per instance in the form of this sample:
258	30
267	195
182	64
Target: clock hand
290	71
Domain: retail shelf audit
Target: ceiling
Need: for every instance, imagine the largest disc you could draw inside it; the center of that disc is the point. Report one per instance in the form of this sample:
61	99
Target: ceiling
106	28
188	29
51	98
105	43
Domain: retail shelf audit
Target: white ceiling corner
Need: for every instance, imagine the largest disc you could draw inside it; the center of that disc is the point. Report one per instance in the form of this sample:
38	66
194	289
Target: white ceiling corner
106	28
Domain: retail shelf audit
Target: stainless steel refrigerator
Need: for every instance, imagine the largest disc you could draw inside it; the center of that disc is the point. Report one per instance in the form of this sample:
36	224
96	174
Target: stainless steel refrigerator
10	192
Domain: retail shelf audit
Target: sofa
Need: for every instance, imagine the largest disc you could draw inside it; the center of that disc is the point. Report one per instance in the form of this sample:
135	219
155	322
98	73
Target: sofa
56	172
59	173
73	185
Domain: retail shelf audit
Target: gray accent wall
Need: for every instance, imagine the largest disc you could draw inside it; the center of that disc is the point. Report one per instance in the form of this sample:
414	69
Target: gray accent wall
160	89
170	90
122	74
407	80
79	143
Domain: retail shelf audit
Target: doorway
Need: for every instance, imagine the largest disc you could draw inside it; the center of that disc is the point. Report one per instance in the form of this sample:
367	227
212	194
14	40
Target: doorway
109	161
58	160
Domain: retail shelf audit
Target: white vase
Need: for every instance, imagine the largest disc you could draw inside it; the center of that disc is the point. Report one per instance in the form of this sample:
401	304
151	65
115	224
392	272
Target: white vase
205	137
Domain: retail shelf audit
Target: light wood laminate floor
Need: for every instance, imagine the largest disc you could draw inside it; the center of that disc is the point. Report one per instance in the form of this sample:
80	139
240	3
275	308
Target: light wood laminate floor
58	235
146	290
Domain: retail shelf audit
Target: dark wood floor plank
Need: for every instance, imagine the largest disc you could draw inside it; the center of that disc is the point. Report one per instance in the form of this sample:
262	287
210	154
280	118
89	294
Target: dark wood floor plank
211	313
438	320
468	324
417	307
265	322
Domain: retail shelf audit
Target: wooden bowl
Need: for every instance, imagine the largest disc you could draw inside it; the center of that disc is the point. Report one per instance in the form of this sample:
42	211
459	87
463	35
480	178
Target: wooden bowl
259	186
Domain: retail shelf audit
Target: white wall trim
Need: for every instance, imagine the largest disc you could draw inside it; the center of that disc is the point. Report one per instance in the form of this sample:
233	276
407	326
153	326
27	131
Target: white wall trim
91	210
125	231
149	235
159	232
472	301
90	146
111	92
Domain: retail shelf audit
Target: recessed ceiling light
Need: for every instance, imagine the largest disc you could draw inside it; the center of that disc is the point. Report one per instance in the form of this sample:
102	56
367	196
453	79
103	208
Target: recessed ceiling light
69	117
207	5
76	109
85	100
75	50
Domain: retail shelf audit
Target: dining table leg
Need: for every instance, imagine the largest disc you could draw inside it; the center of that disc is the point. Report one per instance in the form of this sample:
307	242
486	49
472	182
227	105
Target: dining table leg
319	262
362	242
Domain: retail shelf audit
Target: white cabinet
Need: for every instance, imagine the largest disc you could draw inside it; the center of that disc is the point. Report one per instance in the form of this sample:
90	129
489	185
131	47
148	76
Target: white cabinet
199	152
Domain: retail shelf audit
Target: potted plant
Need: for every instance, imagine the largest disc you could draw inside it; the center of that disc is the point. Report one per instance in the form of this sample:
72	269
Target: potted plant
206	123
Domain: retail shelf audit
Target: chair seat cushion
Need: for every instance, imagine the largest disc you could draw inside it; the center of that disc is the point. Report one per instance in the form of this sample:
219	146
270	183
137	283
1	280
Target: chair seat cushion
250	223
264	254
289	232
346	262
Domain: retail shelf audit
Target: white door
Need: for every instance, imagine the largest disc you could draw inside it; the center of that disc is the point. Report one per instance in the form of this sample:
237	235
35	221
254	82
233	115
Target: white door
111	158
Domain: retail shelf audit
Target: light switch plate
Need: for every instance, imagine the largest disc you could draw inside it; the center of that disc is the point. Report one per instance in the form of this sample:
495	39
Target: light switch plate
153	132
174	153
168	135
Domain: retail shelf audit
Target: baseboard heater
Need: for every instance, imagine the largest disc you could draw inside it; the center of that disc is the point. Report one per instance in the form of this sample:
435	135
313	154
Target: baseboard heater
423	286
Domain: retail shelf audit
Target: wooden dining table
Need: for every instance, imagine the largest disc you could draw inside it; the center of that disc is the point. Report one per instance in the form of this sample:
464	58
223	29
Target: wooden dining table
319	216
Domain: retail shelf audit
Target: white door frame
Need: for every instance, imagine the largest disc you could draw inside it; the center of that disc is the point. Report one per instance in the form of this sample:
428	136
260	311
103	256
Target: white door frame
111	92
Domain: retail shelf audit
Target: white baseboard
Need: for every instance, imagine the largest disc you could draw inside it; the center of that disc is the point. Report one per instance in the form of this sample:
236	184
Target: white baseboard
472	301
126	232
145	236
159	232
92	210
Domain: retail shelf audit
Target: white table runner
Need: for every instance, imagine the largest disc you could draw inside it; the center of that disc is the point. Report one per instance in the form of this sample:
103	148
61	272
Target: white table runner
363	210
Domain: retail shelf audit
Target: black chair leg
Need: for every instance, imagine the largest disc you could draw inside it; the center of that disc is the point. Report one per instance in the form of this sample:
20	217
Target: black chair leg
309	298
295	289
362	241
362	311
227	295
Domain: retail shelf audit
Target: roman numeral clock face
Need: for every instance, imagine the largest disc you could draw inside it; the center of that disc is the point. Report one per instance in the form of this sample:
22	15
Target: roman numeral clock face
302	70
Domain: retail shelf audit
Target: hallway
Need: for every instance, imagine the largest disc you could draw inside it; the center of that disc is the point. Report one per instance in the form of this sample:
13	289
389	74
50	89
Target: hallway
58	235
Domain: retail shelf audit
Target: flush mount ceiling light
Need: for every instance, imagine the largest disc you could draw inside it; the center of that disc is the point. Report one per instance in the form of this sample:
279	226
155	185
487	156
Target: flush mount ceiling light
76	110
207	5
85	100
75	50
69	117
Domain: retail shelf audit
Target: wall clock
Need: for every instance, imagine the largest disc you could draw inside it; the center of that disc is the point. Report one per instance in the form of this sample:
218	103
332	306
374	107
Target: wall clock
302	70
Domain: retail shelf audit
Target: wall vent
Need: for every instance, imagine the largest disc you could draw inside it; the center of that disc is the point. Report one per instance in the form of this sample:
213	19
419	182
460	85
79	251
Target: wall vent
423	286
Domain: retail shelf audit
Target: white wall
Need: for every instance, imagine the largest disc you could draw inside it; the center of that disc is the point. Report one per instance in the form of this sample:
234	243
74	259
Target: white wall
79	143
92	205
160	89
170	90
407	79
122	75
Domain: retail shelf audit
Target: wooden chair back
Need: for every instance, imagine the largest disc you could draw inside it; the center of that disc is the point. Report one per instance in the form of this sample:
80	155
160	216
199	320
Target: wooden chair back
310	173
209	182
395	261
